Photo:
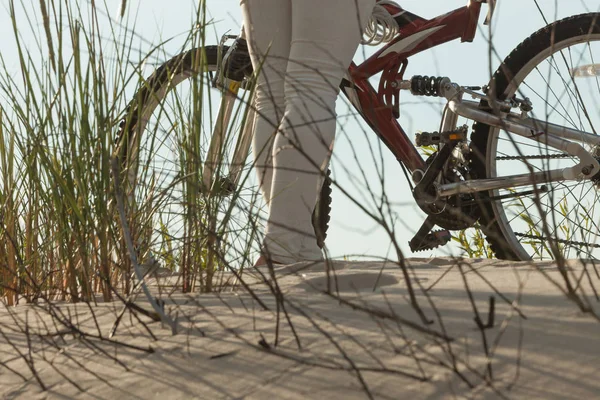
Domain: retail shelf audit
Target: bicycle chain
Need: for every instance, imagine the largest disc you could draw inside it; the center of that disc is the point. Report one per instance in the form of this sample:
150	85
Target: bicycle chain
528	236
536	157
562	241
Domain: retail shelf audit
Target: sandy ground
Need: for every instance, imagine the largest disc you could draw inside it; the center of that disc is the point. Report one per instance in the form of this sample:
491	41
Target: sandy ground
360	339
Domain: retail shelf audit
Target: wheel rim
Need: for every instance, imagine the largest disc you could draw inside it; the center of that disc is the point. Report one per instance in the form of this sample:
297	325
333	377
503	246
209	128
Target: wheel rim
548	68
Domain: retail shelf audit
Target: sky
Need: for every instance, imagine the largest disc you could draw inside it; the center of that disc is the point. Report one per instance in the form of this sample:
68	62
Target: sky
352	233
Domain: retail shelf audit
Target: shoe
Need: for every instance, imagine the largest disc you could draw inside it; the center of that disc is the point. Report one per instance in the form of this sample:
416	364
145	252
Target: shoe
263	260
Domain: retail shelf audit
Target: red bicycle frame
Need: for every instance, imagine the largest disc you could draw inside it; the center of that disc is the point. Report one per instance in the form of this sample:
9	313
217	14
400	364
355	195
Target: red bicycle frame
416	34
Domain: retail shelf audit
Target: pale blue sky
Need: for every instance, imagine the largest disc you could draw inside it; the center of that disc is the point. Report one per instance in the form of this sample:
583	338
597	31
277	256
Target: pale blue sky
351	231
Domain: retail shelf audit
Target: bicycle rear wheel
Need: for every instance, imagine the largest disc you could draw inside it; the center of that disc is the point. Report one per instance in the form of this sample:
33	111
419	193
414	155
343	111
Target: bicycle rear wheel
192	198
558	68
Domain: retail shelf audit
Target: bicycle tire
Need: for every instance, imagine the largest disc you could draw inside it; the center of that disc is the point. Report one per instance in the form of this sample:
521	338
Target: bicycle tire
148	97
553	40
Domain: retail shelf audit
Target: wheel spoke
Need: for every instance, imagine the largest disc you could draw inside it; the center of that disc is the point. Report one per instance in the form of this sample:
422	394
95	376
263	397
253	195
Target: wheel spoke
567	213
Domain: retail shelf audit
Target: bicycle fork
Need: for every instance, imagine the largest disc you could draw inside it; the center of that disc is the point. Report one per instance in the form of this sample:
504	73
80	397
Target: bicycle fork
231	75
213	166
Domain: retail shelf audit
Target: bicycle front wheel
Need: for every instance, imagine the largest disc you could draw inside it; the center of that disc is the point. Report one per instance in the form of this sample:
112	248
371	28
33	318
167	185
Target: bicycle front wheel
191	195
558	69
191	198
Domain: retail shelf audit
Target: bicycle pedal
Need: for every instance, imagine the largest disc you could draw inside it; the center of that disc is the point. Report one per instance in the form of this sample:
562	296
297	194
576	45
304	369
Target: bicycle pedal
430	241
435	138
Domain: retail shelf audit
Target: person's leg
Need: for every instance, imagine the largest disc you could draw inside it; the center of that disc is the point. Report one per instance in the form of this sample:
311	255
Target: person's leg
325	36
267	25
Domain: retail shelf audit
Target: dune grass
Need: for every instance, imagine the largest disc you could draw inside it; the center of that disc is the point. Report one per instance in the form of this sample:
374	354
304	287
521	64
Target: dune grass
60	233
60	236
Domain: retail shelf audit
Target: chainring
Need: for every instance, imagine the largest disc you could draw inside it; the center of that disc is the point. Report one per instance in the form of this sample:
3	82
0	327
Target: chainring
459	211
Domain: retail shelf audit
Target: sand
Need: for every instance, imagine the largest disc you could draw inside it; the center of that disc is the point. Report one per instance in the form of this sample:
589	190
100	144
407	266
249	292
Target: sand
360	339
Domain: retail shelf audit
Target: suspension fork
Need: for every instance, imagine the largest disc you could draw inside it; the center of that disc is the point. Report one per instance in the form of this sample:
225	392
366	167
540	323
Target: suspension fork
231	76
215	154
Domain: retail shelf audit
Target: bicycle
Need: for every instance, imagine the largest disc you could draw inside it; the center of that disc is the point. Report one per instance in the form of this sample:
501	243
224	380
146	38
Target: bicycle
543	208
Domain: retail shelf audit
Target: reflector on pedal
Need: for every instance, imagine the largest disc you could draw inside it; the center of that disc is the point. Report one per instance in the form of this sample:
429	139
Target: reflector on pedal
434	138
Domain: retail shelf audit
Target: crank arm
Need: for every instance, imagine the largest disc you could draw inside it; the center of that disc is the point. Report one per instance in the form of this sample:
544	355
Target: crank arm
423	189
